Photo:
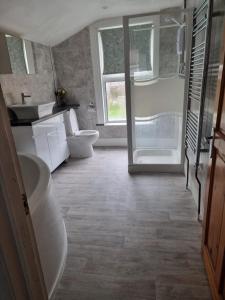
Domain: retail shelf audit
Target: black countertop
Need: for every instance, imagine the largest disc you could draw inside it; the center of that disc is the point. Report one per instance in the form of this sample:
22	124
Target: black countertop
16	122
57	110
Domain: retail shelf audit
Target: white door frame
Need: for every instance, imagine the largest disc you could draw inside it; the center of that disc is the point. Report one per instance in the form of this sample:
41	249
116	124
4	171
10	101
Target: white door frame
18	248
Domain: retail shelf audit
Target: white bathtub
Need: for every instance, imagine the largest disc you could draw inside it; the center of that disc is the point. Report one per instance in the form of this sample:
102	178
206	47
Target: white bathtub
48	224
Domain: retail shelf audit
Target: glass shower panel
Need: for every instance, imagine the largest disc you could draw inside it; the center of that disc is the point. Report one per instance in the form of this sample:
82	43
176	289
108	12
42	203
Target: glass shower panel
156	89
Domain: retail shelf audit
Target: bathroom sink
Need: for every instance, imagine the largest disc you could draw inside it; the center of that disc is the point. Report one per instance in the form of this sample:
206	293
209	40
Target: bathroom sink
32	111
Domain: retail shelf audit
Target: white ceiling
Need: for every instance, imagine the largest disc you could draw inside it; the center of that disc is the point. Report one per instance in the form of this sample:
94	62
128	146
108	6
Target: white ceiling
51	21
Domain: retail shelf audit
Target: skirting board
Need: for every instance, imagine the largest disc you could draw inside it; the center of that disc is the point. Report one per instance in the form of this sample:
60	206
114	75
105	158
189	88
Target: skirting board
112	142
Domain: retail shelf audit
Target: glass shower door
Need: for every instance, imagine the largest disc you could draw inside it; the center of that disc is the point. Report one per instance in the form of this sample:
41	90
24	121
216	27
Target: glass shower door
154	63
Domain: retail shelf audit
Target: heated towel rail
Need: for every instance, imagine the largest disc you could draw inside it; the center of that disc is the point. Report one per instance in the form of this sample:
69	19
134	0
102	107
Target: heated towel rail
197	78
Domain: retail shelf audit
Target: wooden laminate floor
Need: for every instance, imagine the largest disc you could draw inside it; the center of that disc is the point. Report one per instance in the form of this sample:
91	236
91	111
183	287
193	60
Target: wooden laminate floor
130	237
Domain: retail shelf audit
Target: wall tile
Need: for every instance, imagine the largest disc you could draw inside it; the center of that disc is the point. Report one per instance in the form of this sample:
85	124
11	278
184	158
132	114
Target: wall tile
40	85
74	72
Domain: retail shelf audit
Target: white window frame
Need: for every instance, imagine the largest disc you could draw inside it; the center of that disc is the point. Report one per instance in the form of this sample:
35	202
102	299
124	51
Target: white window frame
97	62
111	78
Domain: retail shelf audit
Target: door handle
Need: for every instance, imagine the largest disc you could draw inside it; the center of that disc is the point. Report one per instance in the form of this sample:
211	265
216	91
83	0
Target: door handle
209	138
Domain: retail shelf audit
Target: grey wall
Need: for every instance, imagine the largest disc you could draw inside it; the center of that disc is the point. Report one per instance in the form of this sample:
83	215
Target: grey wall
39	85
74	72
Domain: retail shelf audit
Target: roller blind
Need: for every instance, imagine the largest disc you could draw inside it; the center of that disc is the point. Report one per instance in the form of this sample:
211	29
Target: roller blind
113	53
140	47
113	50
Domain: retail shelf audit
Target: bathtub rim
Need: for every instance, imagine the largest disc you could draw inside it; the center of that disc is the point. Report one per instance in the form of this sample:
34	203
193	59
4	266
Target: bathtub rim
43	183
34	200
59	275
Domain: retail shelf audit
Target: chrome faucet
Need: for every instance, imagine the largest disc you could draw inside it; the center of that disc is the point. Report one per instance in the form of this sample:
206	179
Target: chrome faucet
23	97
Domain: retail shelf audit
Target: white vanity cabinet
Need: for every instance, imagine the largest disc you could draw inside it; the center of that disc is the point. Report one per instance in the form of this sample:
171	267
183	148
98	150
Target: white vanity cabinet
45	138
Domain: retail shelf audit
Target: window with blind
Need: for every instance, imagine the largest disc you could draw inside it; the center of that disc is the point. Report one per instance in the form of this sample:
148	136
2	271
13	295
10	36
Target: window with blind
111	55
112	71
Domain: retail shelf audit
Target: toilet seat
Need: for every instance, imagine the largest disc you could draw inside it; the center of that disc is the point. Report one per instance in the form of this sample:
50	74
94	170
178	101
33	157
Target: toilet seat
79	141
85	132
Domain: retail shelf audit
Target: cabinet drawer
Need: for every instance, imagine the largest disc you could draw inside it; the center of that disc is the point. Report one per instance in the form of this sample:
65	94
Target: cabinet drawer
42	150
47	126
50	140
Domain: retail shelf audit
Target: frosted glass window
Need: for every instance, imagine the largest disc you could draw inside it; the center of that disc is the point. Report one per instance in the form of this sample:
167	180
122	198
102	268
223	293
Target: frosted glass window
140	41
113	55
113	49
116	101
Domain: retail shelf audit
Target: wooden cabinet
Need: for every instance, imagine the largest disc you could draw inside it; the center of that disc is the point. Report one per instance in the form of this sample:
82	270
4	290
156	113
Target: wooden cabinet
42	149
46	139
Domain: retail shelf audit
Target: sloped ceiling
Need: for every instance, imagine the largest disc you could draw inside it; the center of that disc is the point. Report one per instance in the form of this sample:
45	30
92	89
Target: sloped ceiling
51	21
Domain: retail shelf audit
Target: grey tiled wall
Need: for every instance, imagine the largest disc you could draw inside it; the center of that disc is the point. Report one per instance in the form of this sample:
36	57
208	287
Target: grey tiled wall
74	72
39	85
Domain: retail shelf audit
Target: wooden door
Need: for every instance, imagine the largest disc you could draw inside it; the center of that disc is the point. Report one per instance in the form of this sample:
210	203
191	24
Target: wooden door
18	249
214	219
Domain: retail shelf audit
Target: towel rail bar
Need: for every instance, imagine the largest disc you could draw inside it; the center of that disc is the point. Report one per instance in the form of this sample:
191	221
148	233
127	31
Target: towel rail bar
197	86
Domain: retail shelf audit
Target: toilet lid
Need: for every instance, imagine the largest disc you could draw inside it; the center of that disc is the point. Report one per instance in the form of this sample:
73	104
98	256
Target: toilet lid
71	122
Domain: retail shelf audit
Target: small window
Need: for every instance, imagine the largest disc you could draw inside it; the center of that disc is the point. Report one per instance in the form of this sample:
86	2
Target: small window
112	72
115	101
111	62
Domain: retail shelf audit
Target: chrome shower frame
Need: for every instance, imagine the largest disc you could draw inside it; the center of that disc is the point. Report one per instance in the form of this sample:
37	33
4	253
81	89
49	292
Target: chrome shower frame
165	168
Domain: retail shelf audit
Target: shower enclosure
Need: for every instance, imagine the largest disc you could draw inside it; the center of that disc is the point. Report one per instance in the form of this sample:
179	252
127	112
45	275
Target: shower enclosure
155	64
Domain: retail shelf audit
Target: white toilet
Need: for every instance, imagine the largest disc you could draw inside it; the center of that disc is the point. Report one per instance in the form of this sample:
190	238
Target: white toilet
79	141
